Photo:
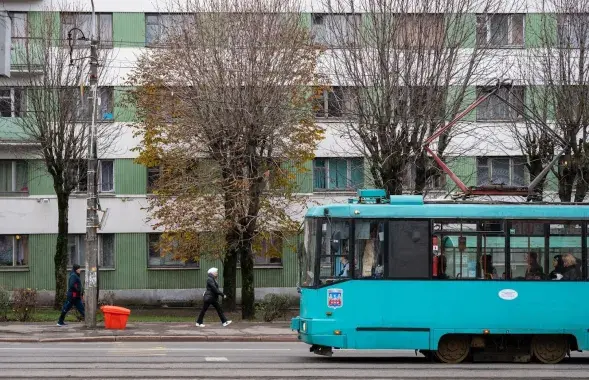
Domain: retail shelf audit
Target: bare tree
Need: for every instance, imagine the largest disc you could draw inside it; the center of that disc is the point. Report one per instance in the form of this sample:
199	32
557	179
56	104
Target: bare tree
226	113
54	113
558	76
404	67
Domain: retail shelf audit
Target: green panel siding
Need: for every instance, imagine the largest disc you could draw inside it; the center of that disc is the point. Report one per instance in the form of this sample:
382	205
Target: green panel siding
40	274
551	183
538	99
368	178
464	168
540	30
131	268
10	129
123	110
461	30
130	177
128	29
304	179
306	20
40	181
455	96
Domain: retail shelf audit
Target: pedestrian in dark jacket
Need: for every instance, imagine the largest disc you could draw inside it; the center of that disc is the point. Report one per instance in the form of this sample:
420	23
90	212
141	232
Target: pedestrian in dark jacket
75	294
211	297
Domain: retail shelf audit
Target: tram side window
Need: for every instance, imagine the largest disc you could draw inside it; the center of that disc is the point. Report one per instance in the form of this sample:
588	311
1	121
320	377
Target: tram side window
409	249
565	248
369	249
335	239
528	258
471	249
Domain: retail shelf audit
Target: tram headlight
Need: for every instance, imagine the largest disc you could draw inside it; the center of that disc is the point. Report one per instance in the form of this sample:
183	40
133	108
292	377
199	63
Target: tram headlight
304	326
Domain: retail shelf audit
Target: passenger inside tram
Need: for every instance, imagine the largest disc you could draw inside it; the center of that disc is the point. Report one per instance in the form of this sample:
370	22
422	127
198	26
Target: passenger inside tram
558	266
487	267
534	270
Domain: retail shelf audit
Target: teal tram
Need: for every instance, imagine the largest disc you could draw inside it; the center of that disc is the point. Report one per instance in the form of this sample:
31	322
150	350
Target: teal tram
454	281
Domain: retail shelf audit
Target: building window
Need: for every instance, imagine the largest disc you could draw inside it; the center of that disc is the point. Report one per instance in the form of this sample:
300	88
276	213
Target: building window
420	102
335	30
106	175
153	174
573	30
158	26
335	102
12	102
76	245
495	109
338	174
507	171
104	105
83	21
500	30
13	176
433	182
14	250
19	26
418	30
159	259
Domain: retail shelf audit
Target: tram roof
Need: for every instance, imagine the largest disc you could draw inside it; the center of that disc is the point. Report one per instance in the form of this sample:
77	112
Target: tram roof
411	206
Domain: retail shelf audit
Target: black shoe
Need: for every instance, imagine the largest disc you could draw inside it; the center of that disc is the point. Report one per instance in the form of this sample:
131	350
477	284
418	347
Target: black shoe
61	324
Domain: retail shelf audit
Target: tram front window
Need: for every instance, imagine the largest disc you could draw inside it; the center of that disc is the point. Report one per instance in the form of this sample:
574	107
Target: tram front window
309	252
335	250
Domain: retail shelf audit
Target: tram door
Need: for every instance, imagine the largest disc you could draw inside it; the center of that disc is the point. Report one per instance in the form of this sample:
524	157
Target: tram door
409	249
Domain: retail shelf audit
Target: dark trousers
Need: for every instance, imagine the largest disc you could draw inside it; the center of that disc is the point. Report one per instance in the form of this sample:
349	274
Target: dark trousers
217	307
67	306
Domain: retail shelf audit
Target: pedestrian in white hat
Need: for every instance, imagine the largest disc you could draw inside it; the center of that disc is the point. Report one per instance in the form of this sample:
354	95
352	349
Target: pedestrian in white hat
211	297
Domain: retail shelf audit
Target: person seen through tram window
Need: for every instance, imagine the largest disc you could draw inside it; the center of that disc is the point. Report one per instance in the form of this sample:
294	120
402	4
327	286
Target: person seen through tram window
571	272
489	271
345	267
558	266
534	270
442	266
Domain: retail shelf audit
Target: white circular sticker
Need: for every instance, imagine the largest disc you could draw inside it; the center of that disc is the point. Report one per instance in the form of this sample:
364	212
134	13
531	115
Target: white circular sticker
508	294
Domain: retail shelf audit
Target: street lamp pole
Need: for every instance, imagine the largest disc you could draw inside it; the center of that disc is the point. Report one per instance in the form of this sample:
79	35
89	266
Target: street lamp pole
91	294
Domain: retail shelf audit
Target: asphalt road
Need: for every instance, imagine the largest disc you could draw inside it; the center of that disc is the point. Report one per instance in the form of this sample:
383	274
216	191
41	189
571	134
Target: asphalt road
250	361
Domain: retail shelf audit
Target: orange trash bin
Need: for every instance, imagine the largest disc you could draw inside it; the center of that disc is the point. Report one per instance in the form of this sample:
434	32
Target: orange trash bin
115	317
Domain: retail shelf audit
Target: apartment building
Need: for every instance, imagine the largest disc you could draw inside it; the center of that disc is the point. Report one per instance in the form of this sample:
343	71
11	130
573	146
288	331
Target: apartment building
129	263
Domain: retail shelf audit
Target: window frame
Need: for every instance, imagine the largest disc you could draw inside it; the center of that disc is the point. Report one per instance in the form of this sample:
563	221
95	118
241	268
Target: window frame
16	110
103	42
81	239
514	115
154	173
512	165
83	113
26	252
352	41
563	26
100	176
183	266
349	170
14	178
342	108
510	31
15	30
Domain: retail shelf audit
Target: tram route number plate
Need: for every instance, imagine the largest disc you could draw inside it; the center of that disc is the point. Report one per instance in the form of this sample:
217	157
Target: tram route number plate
335	298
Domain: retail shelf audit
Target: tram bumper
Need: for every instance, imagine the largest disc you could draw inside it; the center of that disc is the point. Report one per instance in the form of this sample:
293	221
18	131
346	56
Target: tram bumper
295	324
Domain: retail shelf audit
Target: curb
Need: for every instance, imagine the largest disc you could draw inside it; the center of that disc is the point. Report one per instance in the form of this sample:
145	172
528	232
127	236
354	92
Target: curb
158	338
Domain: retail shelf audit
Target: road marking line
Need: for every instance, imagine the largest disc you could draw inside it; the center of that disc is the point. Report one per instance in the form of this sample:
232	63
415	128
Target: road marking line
216	359
54	348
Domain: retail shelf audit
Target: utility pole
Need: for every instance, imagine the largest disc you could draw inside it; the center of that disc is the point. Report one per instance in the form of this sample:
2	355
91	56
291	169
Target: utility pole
91	293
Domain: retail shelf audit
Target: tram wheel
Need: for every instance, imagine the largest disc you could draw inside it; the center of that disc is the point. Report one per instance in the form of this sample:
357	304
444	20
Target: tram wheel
453	348
550	349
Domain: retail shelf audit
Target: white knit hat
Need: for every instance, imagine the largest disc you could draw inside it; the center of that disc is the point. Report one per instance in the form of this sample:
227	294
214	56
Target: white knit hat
213	270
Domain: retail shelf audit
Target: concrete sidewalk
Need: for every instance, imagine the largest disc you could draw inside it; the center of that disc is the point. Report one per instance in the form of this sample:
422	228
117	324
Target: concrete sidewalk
147	332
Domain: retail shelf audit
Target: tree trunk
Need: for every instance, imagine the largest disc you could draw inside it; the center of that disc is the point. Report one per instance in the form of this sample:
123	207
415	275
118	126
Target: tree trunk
248	308
566	181
61	258
535	168
581	187
392	179
230	277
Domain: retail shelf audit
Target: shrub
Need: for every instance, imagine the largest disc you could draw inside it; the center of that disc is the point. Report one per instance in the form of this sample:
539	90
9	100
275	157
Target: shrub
24	304
4	304
274	306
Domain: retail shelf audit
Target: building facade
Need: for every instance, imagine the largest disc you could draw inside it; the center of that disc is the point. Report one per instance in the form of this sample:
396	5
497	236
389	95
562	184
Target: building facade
129	264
